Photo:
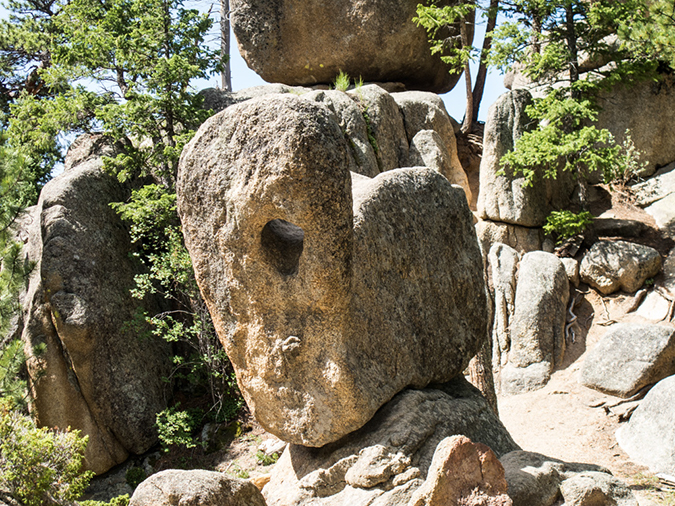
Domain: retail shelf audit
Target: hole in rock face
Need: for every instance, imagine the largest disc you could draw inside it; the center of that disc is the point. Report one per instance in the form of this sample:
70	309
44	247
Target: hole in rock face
283	243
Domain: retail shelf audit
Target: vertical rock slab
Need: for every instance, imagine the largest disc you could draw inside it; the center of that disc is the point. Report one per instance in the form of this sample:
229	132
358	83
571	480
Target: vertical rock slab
504	197
503	261
351	120
328	299
95	373
538	323
385	126
309	42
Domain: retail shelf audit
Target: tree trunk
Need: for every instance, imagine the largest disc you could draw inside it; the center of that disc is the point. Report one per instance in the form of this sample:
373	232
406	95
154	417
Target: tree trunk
571	39
479	86
225	75
468	116
480	374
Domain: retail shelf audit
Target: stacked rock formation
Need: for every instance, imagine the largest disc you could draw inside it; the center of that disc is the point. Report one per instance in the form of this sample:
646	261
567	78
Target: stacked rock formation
331	292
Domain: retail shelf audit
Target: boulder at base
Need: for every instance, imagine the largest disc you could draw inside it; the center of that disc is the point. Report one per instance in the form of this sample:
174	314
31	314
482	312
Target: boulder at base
309	42
610	266
649	436
389	460
329	297
195	488
95	373
629	357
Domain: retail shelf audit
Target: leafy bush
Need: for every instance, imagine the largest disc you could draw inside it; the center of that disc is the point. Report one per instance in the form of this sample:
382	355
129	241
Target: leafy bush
266	460
175	427
120	500
39	466
134	476
567	224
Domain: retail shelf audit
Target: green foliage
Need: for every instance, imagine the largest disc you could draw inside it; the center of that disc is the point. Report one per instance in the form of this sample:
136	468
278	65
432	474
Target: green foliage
175	427
566	224
134	476
266	460
12	360
39	466
435	20
120	500
342	81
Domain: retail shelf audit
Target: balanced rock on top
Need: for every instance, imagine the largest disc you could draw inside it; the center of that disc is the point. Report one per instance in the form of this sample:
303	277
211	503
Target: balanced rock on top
330	292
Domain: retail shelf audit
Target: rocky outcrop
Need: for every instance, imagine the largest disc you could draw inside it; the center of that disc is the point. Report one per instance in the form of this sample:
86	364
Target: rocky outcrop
195	488
310	42
522	239
538	480
619	265
629	357
390	458
530	298
88	369
330	293
649	436
504	196
646	109
657	196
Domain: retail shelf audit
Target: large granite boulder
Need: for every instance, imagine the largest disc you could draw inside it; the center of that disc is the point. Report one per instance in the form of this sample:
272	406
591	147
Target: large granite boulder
649	436
305	43
389	460
537	337
610	266
629	357
195	488
657	196
330	293
95	373
504	196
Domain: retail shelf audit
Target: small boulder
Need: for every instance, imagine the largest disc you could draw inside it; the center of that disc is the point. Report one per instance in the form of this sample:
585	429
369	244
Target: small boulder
195	488
572	270
610	266
463	472
649	436
592	488
522	239
310	42
629	357
503	261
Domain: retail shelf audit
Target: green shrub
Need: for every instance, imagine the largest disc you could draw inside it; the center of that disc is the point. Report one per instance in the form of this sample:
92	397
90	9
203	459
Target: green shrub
175	427
266	460
120	500
566	224
342	81
134	476
39	466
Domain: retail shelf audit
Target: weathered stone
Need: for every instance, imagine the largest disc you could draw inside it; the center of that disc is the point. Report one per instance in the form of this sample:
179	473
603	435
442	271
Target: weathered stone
655	188
310	42
537	327
351	120
592	488
619	265
306	277
518	380
649	436
572	269
195	488
522	239
503	261
95	374
463	472
629	357
387	460
385	125
426	111
428	150
217	99
654	307
663	212
534	479
669	272
505	198
612	227
646	109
